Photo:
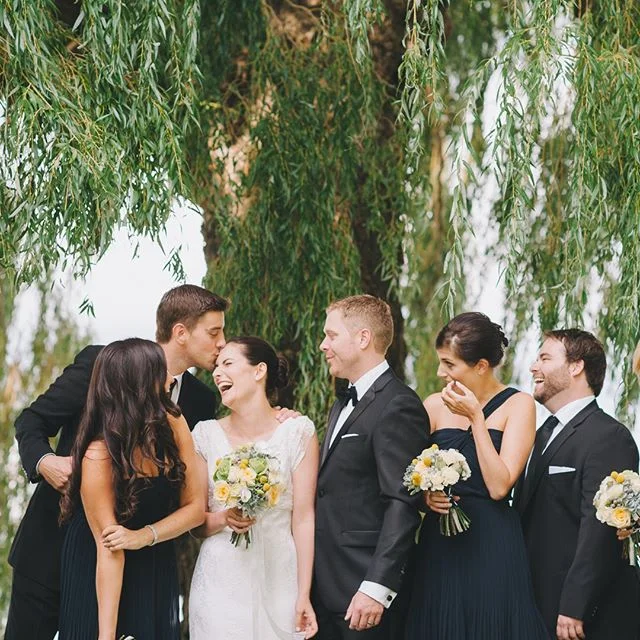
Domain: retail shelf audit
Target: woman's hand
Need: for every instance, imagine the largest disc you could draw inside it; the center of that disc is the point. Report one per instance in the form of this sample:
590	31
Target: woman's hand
460	400
234	519
438	501
115	537
623	534
306	618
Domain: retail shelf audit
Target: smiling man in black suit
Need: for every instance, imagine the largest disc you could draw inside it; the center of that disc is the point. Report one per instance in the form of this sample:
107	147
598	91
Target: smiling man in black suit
190	330
583	586
365	518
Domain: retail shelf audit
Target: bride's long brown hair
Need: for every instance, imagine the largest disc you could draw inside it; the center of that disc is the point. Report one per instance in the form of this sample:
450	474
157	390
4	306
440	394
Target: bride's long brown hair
127	407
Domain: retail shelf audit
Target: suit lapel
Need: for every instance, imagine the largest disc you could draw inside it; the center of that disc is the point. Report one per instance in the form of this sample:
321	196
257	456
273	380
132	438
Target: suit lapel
363	403
333	418
556	444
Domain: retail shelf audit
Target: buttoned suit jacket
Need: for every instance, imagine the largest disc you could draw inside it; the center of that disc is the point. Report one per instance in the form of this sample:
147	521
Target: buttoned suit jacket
576	561
36	548
365	519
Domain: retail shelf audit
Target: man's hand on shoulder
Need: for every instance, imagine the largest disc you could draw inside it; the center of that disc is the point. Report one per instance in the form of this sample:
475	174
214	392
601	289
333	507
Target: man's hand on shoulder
569	628
284	414
363	612
56	471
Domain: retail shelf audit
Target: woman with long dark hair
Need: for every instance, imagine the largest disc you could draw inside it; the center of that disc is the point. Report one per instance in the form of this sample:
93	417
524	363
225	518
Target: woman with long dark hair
133	488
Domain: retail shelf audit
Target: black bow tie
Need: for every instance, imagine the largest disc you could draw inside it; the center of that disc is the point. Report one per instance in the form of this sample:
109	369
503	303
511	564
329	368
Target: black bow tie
349	394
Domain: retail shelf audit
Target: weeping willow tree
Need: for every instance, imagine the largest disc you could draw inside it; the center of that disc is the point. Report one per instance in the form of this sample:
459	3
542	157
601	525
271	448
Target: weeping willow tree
335	147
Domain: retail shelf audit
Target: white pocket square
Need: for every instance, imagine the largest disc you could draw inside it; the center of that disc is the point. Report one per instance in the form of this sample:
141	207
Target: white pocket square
349	435
554	470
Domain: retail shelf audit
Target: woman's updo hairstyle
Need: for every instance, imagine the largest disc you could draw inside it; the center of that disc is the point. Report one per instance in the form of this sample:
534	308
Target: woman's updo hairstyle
257	350
473	337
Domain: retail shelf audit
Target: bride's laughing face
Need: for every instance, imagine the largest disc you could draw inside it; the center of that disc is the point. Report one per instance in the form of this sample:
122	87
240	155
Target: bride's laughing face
235	377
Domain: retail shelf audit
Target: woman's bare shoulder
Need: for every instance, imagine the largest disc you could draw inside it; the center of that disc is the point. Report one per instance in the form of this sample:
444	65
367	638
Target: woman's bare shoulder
97	450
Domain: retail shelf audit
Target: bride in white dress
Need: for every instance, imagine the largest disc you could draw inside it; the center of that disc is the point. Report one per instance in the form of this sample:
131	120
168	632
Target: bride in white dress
259	593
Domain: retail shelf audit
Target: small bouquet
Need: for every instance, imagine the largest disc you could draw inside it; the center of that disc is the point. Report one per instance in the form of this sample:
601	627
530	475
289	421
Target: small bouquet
249	479
438	470
617	504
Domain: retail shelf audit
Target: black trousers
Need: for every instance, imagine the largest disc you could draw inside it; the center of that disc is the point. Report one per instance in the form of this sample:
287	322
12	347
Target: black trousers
33	610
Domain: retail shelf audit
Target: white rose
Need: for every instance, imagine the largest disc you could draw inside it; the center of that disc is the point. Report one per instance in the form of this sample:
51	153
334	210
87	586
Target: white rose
449	476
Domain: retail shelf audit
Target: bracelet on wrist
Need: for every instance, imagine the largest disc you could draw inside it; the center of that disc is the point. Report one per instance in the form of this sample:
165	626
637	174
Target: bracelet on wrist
154	533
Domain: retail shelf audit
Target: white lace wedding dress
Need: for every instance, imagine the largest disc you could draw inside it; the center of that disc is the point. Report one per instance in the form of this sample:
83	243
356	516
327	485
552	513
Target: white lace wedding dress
249	594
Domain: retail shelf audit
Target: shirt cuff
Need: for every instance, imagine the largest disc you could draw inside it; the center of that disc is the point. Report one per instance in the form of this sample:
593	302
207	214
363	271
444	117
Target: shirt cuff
41	459
378	592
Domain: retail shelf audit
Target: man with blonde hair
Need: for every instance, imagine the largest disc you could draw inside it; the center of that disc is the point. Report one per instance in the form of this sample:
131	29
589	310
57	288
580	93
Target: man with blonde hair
365	518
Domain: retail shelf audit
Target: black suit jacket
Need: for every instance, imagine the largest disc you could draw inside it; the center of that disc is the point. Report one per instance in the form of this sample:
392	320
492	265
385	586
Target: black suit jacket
365	519
35	551
576	561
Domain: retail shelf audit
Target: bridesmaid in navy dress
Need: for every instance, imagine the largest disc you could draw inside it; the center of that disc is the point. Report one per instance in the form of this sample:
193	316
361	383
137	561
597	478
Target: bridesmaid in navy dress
476	585
133	488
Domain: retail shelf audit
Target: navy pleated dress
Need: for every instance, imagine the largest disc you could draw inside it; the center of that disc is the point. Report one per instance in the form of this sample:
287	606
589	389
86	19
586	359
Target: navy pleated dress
149	599
475	585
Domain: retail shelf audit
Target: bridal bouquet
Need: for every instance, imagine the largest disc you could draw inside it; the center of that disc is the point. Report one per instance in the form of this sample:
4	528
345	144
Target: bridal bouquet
249	479
438	470
617	504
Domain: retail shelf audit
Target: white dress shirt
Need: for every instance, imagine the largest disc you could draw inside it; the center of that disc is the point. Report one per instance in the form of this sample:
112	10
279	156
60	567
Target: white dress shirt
362	385
175	392
378	592
564	415
567	413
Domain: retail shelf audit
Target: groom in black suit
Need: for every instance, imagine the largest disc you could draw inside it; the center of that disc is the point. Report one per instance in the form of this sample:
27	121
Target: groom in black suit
190	330
582	584
365	519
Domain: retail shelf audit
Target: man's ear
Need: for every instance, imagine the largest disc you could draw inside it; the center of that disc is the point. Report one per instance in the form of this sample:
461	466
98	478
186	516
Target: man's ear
179	333
365	338
576	368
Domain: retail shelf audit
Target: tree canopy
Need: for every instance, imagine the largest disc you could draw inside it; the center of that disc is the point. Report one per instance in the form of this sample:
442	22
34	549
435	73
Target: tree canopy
337	147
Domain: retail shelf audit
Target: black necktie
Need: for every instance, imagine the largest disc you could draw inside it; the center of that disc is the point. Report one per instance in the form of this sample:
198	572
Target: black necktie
172	386
349	394
542	438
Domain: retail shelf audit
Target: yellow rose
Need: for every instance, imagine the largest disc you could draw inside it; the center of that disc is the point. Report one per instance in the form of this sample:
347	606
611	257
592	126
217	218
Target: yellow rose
416	479
427	462
621	518
273	495
247	474
221	491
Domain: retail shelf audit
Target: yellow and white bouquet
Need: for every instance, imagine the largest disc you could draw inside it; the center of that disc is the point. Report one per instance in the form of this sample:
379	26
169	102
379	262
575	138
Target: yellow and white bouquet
249	479
617	504
438	470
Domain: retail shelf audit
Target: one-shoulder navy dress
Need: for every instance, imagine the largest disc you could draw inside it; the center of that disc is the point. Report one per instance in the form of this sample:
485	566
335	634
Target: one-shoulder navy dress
149	598
475	585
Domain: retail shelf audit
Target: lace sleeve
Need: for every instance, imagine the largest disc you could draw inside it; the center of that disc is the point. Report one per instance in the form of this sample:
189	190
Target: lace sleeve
305	432
199	435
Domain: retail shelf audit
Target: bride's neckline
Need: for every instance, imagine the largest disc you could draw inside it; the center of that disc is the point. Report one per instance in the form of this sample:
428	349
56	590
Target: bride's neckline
246	442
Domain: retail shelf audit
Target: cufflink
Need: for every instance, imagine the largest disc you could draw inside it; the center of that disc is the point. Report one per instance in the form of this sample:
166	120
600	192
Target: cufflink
389	598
